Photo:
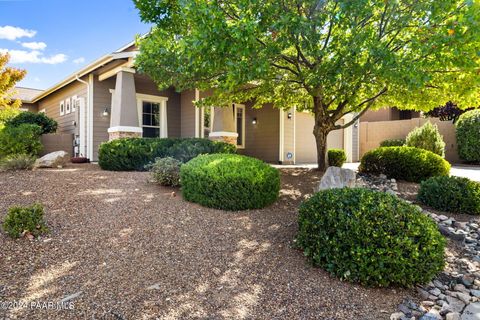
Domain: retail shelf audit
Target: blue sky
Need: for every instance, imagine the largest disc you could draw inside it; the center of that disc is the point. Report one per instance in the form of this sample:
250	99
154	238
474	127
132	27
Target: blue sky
53	38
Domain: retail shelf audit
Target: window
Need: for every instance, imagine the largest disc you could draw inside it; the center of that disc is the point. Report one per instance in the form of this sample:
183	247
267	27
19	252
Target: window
239	112
75	103
151	119
42	111
152	113
67	106
62	108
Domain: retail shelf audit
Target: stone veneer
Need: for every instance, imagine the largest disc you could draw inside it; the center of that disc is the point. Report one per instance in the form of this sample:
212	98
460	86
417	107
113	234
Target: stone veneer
119	135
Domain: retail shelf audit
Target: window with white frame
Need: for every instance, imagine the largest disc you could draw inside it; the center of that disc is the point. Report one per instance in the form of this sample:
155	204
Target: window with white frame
75	102
67	106
239	112
62	108
42	111
152	111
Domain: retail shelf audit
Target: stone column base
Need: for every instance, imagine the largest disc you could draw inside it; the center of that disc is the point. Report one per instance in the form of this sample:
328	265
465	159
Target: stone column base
124	132
228	137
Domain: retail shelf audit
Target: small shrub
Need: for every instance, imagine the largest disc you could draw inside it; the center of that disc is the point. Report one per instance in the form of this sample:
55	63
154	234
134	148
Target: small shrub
25	219
392	143
404	163
131	154
427	137
166	171
453	194
229	182
336	157
17	162
47	124
24	139
468	136
370	237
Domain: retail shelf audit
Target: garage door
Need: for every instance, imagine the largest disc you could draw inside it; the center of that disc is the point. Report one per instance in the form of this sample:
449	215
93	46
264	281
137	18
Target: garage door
306	147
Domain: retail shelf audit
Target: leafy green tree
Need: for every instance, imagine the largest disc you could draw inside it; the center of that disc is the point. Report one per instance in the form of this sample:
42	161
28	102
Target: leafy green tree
330	57
9	107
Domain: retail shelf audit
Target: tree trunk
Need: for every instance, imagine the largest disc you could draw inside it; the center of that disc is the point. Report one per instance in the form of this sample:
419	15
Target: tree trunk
321	139
321	129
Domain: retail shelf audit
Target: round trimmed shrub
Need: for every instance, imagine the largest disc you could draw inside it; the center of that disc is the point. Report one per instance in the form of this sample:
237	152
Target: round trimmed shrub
427	137
453	194
229	182
404	163
468	136
336	157
370	237
166	171
392	143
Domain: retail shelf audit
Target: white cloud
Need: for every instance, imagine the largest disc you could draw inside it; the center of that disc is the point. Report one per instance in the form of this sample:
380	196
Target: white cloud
22	56
34	45
13	33
79	60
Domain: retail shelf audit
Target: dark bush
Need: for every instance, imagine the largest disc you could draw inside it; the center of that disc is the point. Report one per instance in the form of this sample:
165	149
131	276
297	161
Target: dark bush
24	139
187	149
453	194
47	124
392	143
166	171
336	157
404	163
468	136
370	237
229	182
20	220
130	154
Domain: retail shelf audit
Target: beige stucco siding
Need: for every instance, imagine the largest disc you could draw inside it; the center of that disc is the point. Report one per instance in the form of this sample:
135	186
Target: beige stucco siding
306	147
262	140
51	105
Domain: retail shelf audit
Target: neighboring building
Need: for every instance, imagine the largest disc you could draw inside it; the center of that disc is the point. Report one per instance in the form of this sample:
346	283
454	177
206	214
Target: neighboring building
389	114
26	95
108	99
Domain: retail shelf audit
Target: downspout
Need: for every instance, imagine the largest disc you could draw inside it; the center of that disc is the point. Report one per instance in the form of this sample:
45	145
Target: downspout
87	102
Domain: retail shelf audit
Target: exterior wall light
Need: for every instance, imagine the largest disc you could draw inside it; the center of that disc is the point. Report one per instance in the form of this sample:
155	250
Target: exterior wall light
105	112
254	121
289	115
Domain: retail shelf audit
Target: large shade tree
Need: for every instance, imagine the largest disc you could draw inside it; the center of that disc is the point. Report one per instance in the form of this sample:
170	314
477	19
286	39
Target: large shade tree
9	76
328	57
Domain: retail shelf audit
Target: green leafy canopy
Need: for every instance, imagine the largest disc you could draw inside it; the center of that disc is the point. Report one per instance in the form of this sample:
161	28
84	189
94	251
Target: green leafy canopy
330	57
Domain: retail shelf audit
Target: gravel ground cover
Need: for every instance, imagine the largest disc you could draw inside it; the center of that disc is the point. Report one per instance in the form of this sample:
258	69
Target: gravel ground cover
122	248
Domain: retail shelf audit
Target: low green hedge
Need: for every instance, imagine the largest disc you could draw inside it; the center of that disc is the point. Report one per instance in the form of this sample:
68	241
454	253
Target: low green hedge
133	154
370	237
336	157
229	182
453	194
404	163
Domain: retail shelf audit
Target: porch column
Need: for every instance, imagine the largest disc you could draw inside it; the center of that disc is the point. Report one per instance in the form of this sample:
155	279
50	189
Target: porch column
124	120
223	128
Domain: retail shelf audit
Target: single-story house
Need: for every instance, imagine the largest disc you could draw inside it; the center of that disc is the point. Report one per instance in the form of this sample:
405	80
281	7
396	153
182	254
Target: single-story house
109	99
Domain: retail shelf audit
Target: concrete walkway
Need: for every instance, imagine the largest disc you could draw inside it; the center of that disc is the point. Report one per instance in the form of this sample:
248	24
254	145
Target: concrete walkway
471	172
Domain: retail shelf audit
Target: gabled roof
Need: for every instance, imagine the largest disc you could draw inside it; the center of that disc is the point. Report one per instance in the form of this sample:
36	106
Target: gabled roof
25	94
82	72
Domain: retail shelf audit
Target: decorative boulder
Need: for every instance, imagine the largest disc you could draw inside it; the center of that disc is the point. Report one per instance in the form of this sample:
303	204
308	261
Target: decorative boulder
52	160
336	177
